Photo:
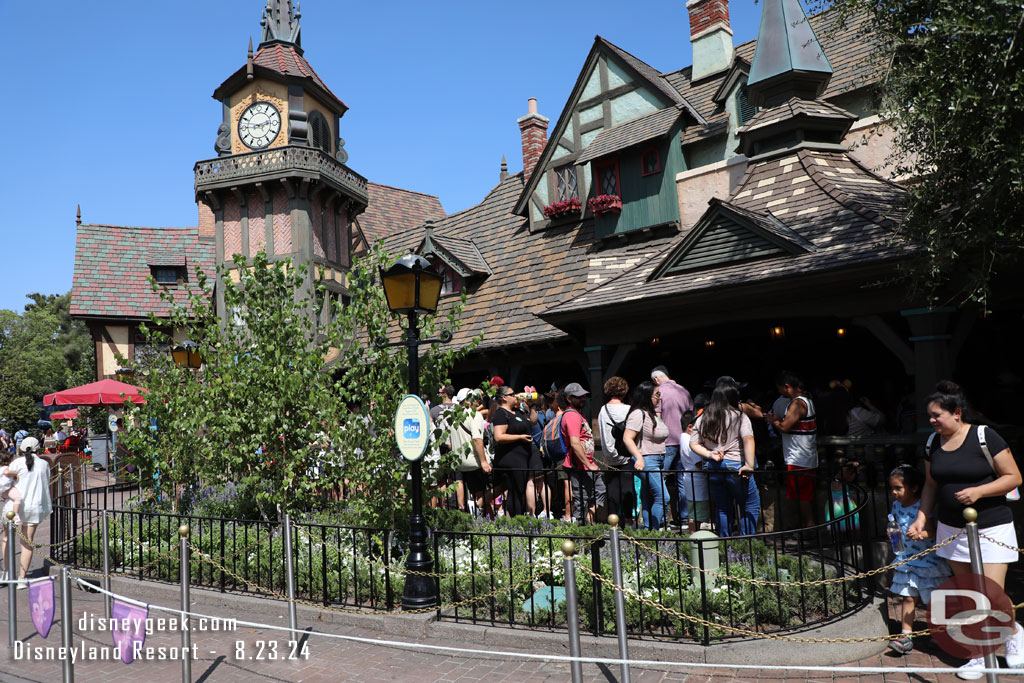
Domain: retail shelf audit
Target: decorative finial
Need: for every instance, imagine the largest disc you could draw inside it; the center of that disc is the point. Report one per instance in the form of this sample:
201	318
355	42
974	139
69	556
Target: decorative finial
613	520
78	215
10	515
971	515
183	530
248	63
504	168
568	548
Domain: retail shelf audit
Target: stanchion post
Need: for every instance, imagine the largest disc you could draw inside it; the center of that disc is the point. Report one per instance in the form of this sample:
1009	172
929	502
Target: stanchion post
572	610
66	620
620	599
106	564
978	569
12	575
186	605
289	573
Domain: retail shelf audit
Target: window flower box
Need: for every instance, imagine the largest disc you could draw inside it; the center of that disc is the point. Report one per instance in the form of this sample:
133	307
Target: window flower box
566	207
605	204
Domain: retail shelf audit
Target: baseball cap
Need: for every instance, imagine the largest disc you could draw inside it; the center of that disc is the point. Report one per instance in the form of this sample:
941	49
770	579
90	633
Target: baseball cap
728	379
575	389
497	381
29	443
464	393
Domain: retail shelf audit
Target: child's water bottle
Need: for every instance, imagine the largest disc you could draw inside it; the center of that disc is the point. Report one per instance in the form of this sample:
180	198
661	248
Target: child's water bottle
895	535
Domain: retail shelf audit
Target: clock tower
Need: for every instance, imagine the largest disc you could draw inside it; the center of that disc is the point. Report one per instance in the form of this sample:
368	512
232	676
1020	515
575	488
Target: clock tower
279	181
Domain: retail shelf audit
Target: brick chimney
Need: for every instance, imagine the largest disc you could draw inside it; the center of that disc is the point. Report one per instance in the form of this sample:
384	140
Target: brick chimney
711	37
534	129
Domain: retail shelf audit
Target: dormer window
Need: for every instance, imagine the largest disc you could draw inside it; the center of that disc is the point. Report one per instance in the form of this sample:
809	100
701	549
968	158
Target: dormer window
168	275
651	162
453	282
566	186
319	131
744	109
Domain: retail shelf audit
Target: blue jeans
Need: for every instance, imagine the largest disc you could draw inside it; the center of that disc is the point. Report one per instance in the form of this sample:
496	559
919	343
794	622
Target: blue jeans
730	490
655	495
674	463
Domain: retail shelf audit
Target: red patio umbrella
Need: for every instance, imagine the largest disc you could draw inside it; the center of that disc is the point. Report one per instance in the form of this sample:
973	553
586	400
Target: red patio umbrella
106	392
64	414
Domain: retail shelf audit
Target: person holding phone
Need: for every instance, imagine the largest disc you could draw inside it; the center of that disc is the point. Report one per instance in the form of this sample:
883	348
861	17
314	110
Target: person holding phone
724	438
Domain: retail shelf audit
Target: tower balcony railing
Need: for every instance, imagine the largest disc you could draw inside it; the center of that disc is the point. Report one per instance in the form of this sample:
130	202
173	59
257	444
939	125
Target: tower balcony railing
276	162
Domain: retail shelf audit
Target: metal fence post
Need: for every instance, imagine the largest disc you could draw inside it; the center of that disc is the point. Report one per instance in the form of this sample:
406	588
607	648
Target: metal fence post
620	599
186	635
572	610
106	564
978	569
12	575
66	634
289	573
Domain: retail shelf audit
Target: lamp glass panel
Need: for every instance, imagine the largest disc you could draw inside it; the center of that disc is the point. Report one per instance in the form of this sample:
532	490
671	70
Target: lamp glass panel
195	359
430	291
400	290
180	356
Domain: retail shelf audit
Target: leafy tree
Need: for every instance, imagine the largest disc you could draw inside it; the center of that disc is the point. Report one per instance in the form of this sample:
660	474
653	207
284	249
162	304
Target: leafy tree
952	90
293	401
42	350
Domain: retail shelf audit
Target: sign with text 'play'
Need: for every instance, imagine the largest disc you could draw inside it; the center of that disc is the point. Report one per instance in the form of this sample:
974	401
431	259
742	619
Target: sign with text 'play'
412	427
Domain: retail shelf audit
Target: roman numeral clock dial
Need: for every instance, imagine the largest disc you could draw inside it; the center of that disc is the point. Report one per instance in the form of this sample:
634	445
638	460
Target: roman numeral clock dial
259	125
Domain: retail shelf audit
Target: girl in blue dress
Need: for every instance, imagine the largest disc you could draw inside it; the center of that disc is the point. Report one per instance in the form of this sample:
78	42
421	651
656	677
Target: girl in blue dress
914	580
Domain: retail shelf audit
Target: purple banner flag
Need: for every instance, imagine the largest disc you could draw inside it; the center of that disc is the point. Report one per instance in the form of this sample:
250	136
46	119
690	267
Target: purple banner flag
129	628
40	600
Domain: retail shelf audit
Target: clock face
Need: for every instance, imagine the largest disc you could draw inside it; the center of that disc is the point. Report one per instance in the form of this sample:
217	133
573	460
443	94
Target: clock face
259	125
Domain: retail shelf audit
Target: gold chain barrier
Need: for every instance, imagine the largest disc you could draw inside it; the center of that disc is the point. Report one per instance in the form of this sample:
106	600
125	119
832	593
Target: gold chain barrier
735	629
1000	543
767	582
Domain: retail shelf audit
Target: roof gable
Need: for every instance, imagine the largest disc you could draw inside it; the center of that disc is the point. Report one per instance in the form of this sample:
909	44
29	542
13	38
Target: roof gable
727	234
625	72
461	254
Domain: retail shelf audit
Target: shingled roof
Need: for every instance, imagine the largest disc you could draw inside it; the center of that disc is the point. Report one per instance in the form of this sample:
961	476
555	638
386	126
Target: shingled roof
392	209
822	198
530	272
281	62
113	264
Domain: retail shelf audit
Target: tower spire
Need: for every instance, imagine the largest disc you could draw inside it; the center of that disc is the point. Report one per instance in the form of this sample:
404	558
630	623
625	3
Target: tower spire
788	60
280	23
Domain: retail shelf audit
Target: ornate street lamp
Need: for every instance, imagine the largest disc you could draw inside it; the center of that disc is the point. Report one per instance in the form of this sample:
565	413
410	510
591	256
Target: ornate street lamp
412	286
186	355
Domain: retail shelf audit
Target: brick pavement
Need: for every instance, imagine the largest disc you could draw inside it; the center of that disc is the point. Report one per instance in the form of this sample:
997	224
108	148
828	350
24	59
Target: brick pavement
339	660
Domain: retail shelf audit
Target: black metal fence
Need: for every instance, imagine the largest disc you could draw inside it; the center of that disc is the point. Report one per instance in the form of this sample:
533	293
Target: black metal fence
699	588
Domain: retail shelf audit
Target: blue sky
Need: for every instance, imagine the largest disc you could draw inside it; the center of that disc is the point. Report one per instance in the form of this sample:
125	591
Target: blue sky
108	103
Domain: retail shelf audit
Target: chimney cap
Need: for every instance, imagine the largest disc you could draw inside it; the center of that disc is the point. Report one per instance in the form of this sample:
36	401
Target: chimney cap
531	105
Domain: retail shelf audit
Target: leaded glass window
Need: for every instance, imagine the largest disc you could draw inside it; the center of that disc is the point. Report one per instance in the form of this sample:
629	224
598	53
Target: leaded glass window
566	186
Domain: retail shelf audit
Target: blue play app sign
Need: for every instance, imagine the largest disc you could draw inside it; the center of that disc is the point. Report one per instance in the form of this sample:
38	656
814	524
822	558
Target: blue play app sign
411	428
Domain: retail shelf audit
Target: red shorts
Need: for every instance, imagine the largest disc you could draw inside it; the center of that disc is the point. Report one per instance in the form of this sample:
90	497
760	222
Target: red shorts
800	487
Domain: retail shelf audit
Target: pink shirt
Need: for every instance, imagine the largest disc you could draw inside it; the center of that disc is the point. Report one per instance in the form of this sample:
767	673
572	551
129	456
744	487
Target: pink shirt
675	400
573	424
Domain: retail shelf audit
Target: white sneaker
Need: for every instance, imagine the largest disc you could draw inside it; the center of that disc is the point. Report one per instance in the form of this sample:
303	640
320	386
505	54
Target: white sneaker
970	670
1015	649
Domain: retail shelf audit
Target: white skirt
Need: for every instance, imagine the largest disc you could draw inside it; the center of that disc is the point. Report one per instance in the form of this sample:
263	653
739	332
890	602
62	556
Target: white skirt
957	551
